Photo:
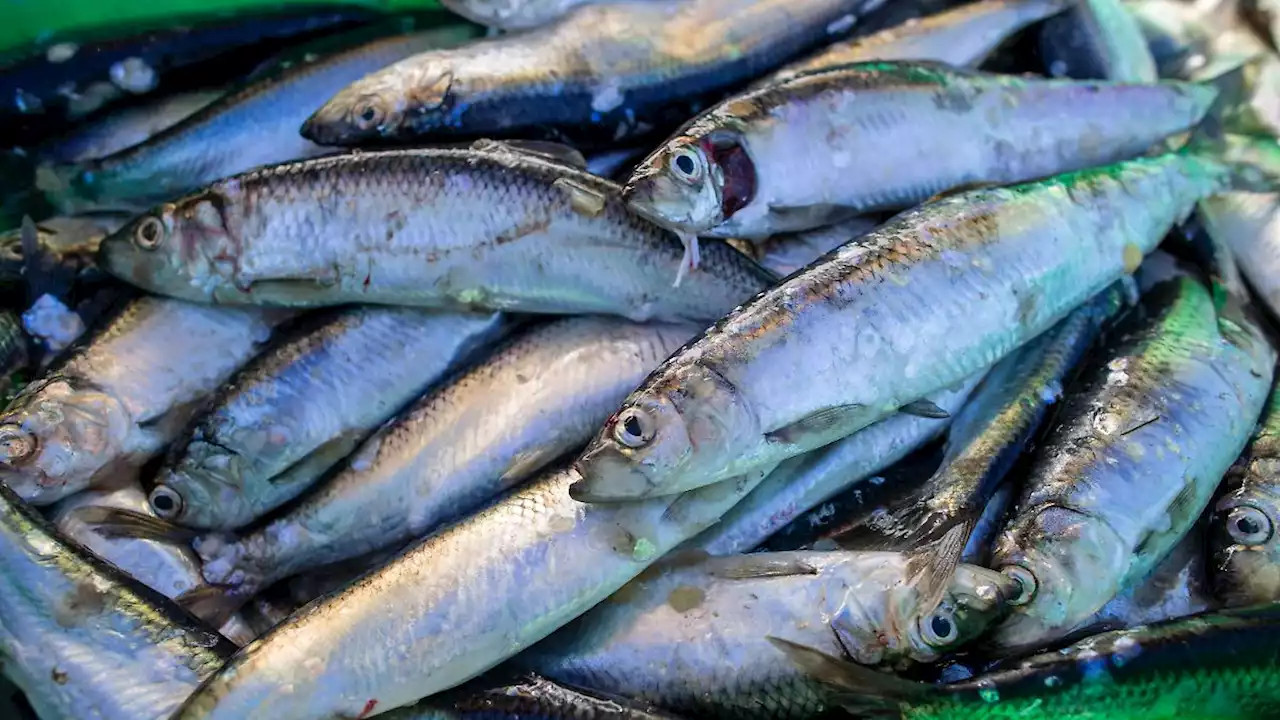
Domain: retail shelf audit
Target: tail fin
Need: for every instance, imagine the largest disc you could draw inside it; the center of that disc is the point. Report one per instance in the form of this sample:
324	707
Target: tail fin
118	523
210	603
861	690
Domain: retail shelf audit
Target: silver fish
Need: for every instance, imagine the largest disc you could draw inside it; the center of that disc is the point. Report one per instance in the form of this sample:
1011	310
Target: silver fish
81	639
118	399
695	639
304	405
514	14
531	697
786	253
1177	587
456	604
126	128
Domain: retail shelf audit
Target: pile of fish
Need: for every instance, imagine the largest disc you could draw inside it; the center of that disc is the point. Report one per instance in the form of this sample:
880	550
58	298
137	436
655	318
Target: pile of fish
646	359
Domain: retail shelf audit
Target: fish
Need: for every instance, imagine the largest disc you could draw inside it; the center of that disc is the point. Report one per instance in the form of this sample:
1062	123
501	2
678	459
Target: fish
125	128
806	481
788	252
1177	587
82	639
1244	558
15	349
600	74
1218	664
527	698
1141	443
496	227
70	242
484	431
694	638
513	14
873	324
1098	39
300	407
457	603
963	36
168	568
1176	33
888	132
985	440
117	399
253	125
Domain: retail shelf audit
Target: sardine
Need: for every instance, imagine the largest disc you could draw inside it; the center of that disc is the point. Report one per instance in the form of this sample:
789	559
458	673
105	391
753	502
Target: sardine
118	399
1177	587
601	73
495	228
254	125
889	133
694	639
786	253
456	604
531	698
513	14
1142	442
168	568
1098	39
871	327
963	36
126	128
305	404
82	639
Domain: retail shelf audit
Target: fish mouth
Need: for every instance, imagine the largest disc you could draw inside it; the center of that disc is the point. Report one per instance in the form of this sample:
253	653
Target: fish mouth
606	475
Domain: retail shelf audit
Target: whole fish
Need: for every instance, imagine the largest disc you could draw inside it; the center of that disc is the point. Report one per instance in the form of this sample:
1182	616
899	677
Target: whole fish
457	603
532	698
486	430
1220	665
804	482
1245	549
786	253
889	132
985	440
254	125
305	404
168	568
82	639
1177	587
513	14
1142	442
116	401
1097	39
125	128
495	228
694	639
871	327
601	73
962	36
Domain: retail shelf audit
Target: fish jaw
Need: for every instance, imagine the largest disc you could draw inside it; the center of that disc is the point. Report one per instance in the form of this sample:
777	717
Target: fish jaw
409	97
1246	549
178	265
686	205
1077	563
58	439
181	495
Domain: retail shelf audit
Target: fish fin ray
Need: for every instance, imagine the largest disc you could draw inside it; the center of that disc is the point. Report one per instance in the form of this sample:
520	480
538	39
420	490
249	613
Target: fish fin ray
544	149
761	565
119	523
820	422
925	408
868	688
210	603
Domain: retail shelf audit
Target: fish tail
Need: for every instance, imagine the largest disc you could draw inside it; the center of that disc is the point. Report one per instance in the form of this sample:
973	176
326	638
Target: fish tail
861	690
210	603
118	523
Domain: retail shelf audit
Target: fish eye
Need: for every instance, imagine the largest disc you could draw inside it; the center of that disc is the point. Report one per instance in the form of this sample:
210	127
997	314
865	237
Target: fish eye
16	444
633	428
939	629
166	502
1248	525
686	164
149	233
368	115
1027	583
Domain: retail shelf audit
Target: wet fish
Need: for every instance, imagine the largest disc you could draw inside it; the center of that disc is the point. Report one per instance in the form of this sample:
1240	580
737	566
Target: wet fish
873	325
118	399
484	431
1097	39
601	73
728	172
302	406
458	603
513	14
1142	442
168	568
82	639
126	128
1219	665
496	227
531	698
1245	559
804	482
963	36
254	125
694	639
1177	587
786	253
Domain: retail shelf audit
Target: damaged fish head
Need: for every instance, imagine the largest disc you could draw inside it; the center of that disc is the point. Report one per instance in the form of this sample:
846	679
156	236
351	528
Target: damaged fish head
693	183
672	435
182	249
1246	550
1058	561
185	493
55	439
396	102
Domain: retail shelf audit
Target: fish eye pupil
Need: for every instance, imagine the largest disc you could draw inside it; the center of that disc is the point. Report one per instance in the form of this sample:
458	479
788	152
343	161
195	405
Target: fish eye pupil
632	425
1247	525
941	626
685	165
163	502
369	114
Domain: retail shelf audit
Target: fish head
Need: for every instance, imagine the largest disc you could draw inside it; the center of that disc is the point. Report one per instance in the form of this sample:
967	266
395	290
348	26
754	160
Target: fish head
1066	565
1243	540
182	249
395	103
693	183
201	489
975	599
57	436
677	433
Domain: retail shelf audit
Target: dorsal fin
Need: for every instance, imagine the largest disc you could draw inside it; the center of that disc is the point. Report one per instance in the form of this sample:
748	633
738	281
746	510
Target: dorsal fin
546	150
